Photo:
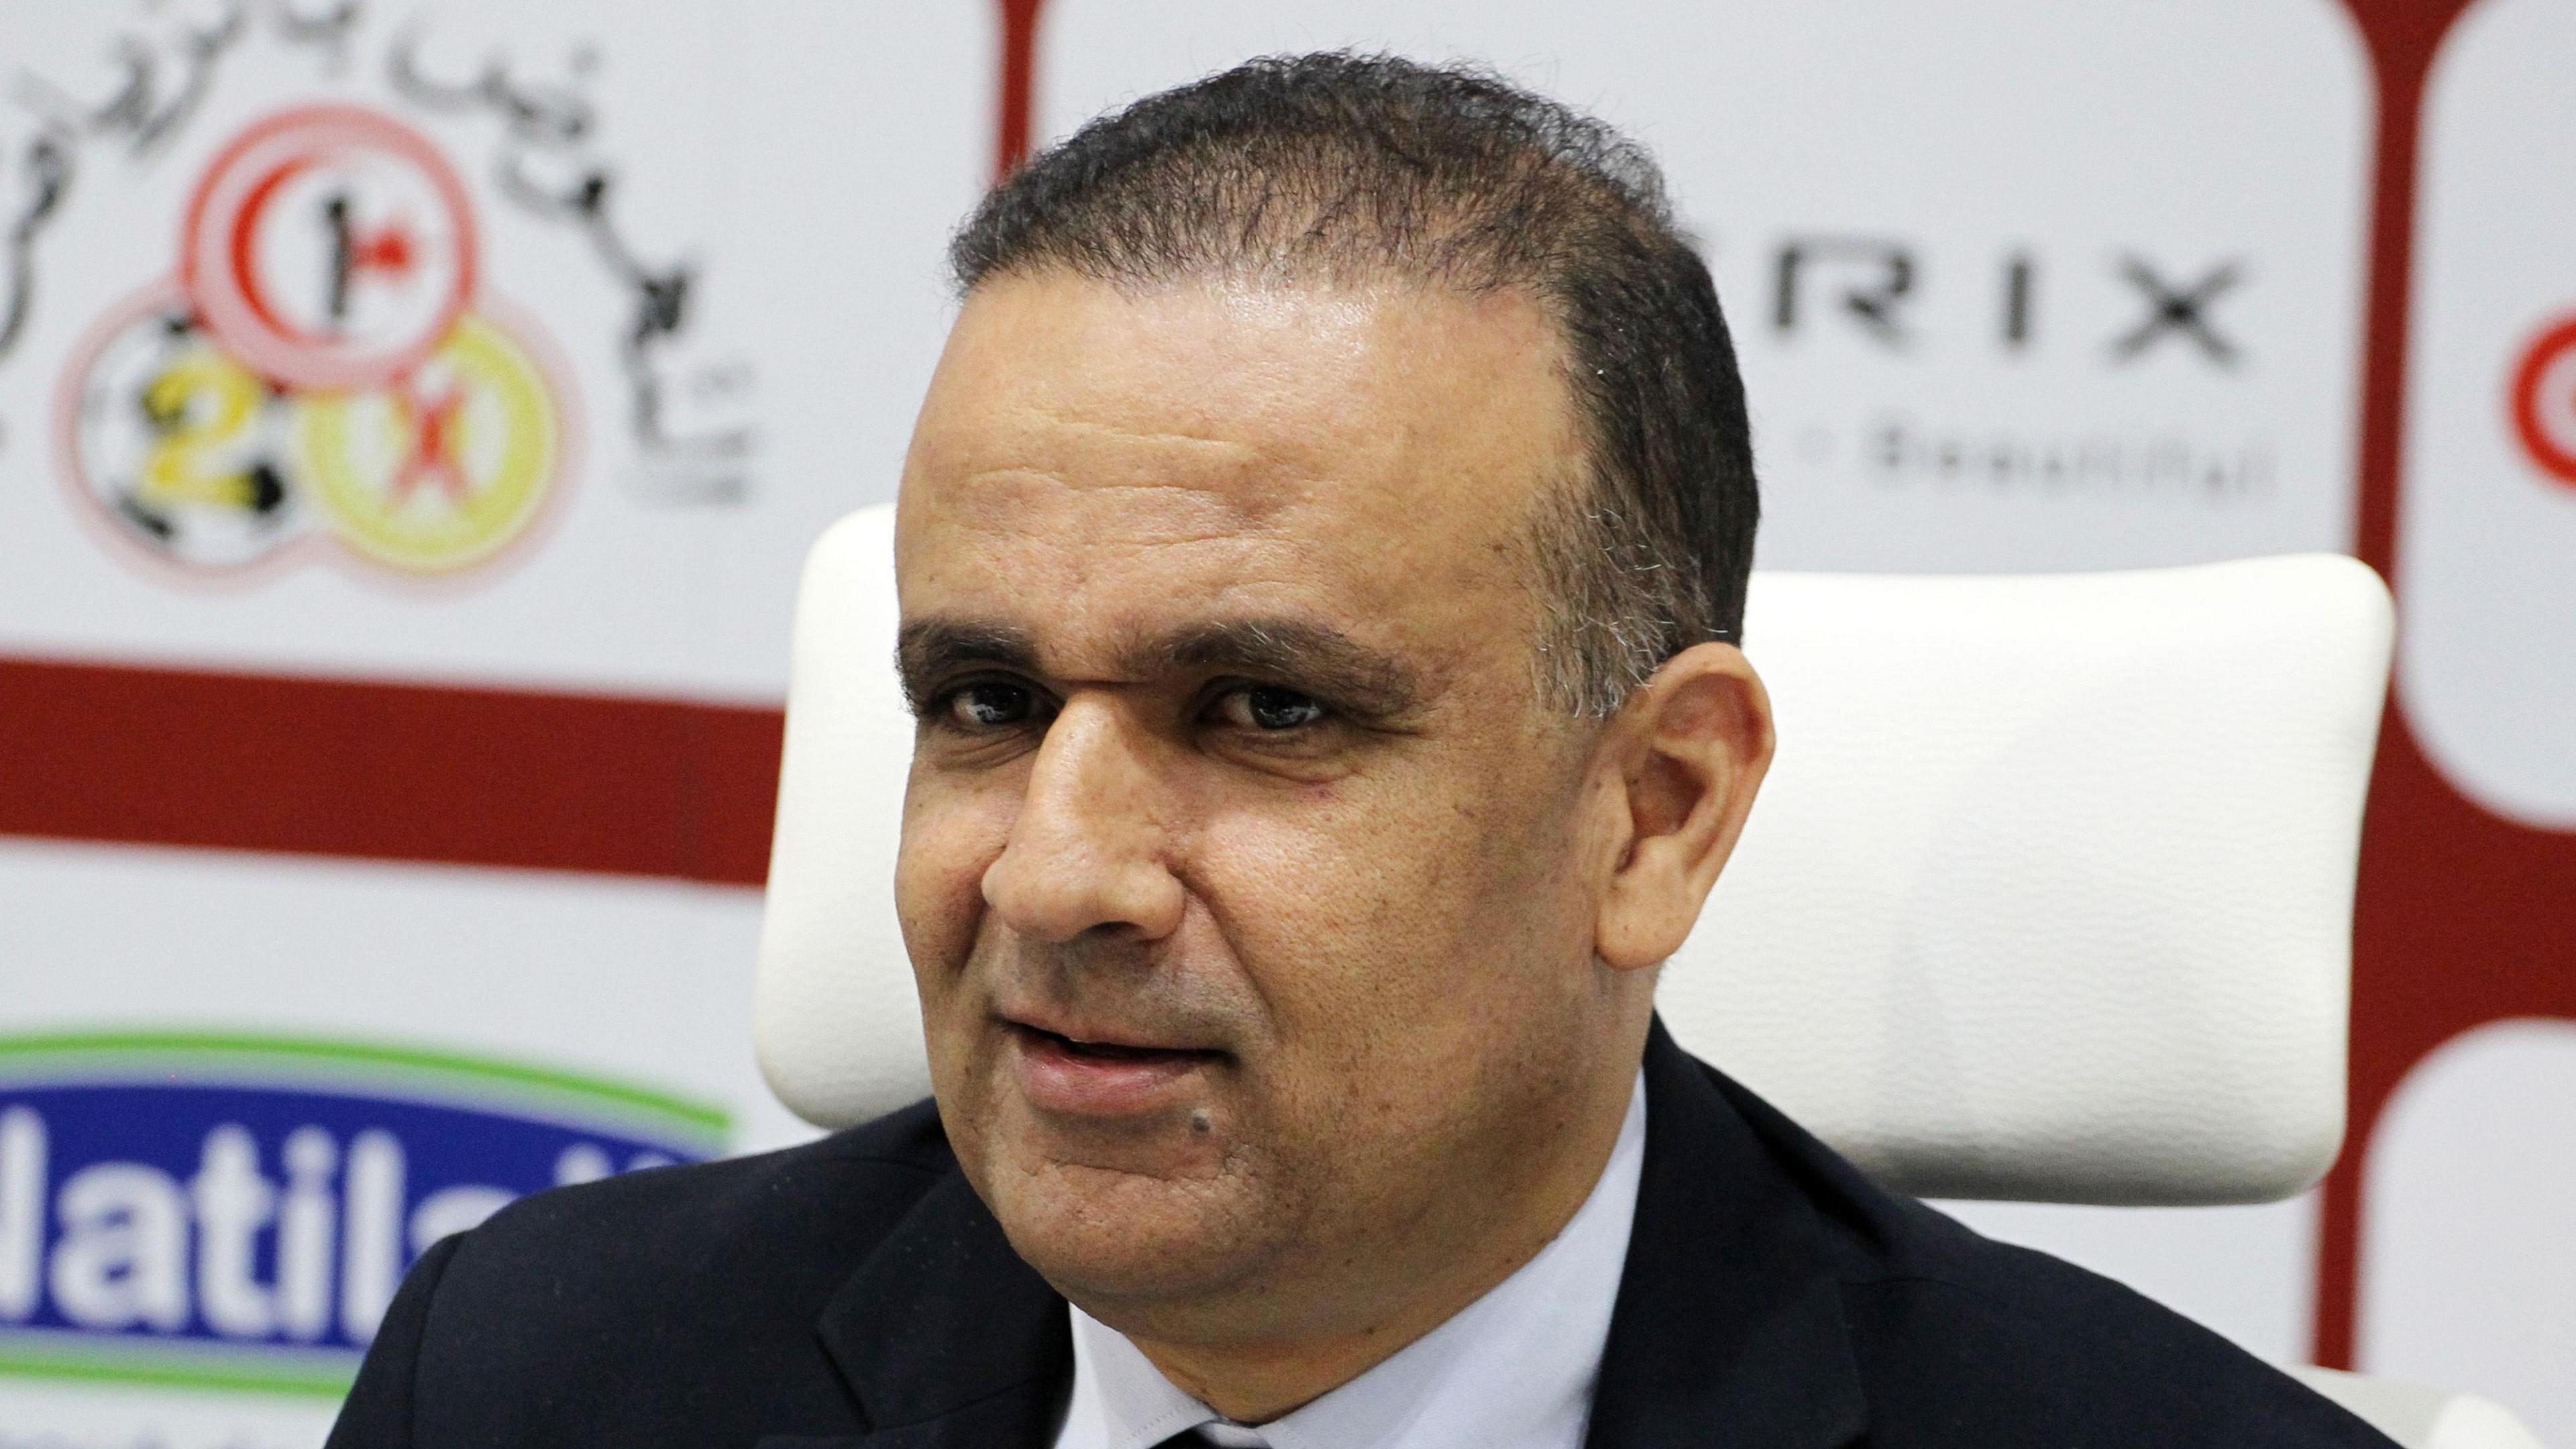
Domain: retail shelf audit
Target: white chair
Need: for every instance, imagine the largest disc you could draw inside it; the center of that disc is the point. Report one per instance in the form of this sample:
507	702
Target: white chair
2420	1417
2048	896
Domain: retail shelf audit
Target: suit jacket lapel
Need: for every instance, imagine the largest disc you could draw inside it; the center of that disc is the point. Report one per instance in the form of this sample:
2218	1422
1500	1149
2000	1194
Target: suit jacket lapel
1728	1328
947	1338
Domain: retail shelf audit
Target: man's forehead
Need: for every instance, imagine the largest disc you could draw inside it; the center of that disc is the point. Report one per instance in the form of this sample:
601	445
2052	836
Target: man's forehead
1243	394
1095	465
1019	495
1204	409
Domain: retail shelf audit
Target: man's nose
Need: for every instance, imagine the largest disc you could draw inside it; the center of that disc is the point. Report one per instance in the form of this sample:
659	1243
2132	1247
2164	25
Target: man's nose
1087	852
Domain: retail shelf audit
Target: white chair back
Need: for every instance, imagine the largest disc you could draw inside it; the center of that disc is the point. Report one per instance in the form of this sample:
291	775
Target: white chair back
2049	895
2419	1416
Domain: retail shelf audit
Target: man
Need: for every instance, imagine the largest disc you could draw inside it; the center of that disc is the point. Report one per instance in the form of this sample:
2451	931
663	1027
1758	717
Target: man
1321	555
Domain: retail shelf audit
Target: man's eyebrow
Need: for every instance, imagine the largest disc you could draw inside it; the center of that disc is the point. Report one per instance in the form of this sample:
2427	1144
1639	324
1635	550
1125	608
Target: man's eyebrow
1293	653
1290	652
926	650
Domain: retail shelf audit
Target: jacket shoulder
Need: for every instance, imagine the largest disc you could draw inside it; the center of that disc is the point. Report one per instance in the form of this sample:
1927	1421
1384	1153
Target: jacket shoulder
676	1295
2003	1346
1962	1340
825	1196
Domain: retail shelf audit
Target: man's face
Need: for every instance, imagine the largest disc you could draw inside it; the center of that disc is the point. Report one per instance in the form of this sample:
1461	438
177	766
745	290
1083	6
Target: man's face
1244	874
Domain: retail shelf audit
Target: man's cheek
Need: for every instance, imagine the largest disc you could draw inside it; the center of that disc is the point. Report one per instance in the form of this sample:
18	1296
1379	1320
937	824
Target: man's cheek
939	881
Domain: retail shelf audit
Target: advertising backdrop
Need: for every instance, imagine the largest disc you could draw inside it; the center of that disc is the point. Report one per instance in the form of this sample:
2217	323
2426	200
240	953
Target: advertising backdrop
412	419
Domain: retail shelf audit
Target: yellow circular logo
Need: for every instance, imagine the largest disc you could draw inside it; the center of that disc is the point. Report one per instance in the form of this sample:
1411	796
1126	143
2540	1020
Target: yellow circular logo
443	468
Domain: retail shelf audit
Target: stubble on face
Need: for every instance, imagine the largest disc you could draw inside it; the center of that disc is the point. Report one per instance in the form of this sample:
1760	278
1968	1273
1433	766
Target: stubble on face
1348	961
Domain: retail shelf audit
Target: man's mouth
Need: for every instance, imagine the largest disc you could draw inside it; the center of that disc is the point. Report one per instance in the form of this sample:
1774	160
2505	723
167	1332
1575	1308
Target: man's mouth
1094	1077
1108	1051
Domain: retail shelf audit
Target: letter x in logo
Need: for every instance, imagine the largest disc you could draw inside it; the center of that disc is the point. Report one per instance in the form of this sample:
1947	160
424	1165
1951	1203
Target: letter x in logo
2181	312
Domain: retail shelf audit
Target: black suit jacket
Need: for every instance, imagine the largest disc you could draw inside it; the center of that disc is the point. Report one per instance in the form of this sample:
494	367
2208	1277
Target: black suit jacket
855	1294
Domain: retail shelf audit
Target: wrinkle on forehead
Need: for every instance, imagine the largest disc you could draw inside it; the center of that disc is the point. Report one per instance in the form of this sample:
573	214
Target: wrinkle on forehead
1223	449
1035	505
1037	459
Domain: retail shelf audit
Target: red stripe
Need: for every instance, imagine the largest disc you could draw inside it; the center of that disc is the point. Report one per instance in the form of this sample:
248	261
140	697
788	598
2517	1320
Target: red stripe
2461	917
595	783
1019	82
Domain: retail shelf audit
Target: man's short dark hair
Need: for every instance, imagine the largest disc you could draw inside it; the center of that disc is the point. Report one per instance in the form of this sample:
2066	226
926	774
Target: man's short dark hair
1346	168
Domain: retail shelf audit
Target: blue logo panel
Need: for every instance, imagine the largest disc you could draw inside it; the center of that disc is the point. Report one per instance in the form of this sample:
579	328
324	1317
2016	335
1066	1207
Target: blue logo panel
237	1212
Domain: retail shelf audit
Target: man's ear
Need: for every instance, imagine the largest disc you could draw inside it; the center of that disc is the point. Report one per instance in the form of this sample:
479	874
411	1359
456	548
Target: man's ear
1689	750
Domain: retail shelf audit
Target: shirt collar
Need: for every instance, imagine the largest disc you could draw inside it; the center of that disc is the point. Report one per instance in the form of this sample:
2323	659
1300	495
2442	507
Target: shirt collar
1512	1370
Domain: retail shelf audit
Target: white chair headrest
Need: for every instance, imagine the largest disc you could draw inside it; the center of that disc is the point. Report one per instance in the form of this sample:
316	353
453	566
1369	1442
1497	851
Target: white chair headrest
2048	896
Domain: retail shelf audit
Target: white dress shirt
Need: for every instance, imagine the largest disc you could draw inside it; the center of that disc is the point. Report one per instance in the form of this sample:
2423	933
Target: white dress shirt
1512	1370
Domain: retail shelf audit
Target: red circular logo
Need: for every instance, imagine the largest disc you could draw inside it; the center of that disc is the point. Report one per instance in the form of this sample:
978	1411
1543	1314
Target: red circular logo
2544	401
329	247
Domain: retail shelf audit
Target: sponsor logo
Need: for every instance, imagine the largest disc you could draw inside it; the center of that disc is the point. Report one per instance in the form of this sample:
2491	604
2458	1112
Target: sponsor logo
323	368
1873	284
236	1212
2136	375
2543	401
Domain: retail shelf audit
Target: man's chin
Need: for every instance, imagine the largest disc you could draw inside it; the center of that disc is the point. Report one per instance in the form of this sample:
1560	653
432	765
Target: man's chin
1109	1235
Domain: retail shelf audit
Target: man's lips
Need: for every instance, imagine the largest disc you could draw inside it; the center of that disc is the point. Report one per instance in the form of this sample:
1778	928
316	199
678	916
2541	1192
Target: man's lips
1102	1077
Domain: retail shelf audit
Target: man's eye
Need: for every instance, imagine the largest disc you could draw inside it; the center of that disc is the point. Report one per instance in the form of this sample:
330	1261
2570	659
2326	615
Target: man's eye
991	704
1265	707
